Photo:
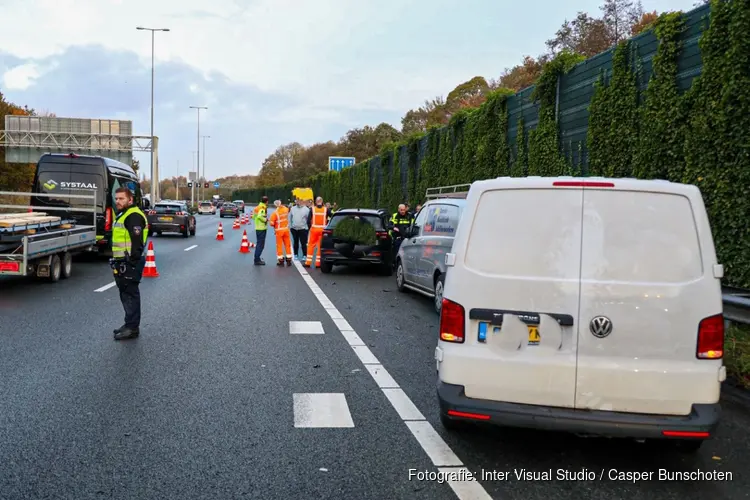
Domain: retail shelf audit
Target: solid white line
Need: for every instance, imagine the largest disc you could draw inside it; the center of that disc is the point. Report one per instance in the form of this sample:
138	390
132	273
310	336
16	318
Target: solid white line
403	405
427	437
381	376
321	410
306	327
190	248
365	355
105	287
462	486
432	443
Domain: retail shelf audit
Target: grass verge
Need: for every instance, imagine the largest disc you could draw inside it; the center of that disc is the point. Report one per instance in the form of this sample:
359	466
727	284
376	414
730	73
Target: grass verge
737	354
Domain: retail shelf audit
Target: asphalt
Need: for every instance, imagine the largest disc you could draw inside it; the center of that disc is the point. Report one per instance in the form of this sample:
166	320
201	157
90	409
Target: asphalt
202	404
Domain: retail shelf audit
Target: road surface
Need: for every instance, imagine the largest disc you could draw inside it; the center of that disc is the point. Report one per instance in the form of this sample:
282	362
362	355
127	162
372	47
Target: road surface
232	391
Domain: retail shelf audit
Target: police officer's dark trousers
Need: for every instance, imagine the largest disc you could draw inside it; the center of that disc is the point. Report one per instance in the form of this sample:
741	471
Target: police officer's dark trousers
130	295
260	243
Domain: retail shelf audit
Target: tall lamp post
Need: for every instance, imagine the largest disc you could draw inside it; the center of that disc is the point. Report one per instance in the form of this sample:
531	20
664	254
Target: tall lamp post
198	155
154	181
204	162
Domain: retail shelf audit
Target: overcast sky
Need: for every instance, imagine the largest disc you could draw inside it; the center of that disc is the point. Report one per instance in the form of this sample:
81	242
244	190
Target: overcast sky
270	71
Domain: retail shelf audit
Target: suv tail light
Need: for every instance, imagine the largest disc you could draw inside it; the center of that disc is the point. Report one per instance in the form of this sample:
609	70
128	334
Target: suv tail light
180	213
383	235
327	232
108	220
152	212
711	338
452	322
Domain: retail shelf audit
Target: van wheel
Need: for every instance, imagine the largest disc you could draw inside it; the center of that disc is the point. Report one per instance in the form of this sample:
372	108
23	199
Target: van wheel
400	277
67	265
325	267
55	269
439	288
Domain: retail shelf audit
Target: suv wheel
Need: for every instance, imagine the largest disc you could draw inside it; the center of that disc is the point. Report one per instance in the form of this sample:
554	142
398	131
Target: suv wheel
325	267
400	279
439	288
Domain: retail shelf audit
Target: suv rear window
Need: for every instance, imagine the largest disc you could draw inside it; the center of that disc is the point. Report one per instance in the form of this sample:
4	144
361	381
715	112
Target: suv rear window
373	220
167	209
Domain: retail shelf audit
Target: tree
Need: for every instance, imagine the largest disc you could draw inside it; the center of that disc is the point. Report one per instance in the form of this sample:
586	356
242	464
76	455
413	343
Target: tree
471	93
646	21
271	173
415	120
433	113
14	176
366	142
620	16
521	76
583	35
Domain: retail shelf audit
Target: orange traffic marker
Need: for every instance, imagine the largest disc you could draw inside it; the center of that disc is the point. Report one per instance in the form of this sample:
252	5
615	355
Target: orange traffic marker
220	233
150	271
236	224
245	245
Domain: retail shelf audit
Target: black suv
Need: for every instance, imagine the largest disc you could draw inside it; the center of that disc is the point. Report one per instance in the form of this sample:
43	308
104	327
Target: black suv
357	236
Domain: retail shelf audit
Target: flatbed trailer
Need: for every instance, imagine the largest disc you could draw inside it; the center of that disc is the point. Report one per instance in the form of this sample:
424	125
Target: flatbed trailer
40	245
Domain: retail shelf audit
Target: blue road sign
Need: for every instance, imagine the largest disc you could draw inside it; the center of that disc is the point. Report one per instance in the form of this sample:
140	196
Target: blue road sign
216	184
339	163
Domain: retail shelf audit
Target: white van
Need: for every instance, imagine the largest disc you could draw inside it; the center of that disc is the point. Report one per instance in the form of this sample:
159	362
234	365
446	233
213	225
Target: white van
586	305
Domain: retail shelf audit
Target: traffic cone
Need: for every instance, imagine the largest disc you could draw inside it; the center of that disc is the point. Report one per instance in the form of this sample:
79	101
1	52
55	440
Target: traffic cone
245	219
150	271
220	233
236	224
245	245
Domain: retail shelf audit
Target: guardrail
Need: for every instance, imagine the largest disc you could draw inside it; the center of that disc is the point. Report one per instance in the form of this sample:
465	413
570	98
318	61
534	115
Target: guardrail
736	305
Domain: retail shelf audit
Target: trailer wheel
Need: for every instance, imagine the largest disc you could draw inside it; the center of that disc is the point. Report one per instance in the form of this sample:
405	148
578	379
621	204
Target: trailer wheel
55	269
67	265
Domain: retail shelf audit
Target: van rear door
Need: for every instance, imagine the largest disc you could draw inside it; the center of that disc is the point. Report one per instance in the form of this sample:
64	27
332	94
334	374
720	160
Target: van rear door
646	283
517	254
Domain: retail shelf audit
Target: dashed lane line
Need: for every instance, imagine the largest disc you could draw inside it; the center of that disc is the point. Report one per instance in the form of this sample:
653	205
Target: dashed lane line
105	287
463	485
321	410
190	248
306	328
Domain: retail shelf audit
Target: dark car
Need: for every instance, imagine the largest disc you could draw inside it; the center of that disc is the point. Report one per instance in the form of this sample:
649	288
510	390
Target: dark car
174	217
229	209
357	236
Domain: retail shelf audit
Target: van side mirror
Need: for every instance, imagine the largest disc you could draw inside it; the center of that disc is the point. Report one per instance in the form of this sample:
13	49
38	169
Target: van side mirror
413	231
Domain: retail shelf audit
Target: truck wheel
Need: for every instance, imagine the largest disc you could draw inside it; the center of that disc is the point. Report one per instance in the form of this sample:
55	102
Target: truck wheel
55	269
67	265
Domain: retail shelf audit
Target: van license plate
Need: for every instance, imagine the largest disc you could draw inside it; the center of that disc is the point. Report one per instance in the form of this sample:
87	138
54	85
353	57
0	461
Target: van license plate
165	219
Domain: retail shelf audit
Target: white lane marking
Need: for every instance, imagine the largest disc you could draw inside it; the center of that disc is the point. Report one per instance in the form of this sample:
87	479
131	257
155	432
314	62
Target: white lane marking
190	248
432	443
403	405
365	355
105	287
306	328
434	446
382	377
321	410
463	483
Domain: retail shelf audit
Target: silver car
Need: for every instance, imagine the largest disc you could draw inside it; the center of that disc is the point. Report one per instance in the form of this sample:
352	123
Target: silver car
420	262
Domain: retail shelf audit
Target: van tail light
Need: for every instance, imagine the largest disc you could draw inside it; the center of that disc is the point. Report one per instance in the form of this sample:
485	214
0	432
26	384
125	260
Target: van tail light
593	184
383	235
108	220
452	322
327	232
711	338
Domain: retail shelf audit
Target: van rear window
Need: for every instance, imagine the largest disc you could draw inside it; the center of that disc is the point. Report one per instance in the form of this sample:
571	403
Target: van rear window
527	233
639	237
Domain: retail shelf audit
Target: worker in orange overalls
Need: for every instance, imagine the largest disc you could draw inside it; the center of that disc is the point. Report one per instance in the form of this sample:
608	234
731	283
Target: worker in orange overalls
318	220
279	221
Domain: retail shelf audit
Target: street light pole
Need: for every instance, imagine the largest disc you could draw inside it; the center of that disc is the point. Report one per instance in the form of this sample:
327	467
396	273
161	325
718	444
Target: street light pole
198	155
204	161
154	181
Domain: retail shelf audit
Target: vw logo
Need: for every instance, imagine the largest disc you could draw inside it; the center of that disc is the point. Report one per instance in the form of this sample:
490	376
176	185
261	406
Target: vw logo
600	326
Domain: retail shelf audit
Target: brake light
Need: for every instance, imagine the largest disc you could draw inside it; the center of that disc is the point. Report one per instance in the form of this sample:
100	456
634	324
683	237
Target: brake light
463	414
152	212
327	232
583	184
12	267
452	322
685	434
711	338
108	219
180	213
383	235
72	155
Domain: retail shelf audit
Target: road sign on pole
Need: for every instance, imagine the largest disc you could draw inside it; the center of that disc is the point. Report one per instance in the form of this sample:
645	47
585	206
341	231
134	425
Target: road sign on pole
216	184
339	163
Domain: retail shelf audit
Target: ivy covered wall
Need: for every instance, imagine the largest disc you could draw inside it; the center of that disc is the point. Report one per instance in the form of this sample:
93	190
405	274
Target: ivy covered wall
672	103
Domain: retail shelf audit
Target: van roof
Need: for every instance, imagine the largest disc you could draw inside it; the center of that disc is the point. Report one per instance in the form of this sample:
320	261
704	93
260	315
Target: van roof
619	183
114	166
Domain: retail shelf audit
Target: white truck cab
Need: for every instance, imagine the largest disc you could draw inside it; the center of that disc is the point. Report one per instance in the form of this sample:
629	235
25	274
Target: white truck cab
587	305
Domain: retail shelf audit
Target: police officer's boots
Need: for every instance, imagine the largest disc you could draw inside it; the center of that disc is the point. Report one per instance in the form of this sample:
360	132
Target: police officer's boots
127	333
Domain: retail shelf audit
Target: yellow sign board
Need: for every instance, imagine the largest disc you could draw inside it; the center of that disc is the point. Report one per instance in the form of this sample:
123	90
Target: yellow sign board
303	193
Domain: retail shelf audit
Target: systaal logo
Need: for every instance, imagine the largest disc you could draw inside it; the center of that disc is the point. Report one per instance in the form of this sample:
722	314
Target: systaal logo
50	185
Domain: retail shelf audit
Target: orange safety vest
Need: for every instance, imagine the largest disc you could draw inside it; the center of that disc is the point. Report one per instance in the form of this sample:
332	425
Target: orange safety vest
280	219
319	217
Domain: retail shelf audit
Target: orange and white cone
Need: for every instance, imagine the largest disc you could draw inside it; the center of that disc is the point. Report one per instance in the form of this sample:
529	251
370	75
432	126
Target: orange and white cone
236	224
220	233
245	245
150	271
245	219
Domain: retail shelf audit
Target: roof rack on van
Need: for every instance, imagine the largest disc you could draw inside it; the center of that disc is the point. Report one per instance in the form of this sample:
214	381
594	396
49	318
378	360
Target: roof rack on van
455	191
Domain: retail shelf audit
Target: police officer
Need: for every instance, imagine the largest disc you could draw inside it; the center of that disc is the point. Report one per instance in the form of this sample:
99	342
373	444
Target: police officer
260	219
129	235
401	221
